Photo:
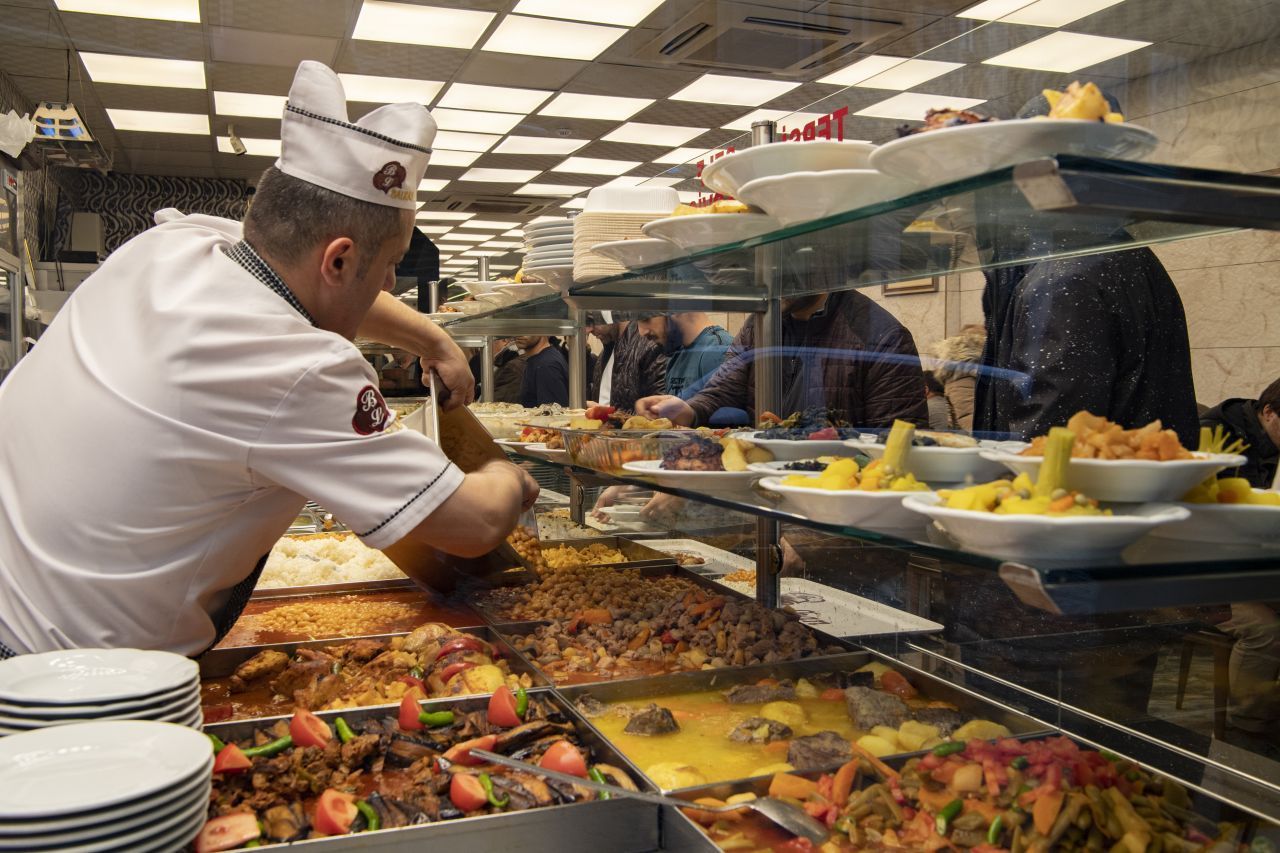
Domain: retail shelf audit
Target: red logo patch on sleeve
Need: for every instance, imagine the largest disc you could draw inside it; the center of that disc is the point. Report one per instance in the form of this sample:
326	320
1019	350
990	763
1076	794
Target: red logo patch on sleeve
372	414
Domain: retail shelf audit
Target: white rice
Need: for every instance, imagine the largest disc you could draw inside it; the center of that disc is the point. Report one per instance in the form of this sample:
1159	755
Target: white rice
296	561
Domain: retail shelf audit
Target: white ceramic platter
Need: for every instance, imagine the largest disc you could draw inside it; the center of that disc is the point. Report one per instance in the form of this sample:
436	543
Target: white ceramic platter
942	464
707	230
634	254
788	450
710	480
1127	480
732	171
877	510
805	196
1232	524
79	676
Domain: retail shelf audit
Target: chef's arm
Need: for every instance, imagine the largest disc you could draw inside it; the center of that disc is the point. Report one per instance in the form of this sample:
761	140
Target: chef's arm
481	512
395	324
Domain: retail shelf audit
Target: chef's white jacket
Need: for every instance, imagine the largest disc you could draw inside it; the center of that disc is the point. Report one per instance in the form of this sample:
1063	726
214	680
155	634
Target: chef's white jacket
164	433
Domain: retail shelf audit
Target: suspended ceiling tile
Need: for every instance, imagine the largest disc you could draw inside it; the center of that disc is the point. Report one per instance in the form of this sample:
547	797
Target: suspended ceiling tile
1155	59
563	126
623	151
135	36
28	4
924	41
254	79
172	158
143	141
42	88
20	61
417	62
251	128
330	19
982	43
603	78
30	27
688	114
1223	23
797	99
936	8
160	98
715	138
530	72
227	44
541	162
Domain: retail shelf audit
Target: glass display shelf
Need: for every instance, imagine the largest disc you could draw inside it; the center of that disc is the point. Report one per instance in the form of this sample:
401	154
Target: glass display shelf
543	315
1043	209
1153	572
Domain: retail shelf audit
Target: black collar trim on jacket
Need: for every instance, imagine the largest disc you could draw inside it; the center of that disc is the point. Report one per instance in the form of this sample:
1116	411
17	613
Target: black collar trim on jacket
244	255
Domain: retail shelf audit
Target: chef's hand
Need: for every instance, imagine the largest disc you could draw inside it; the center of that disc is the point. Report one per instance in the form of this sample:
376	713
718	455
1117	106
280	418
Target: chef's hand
529	487
459	386
665	406
608	498
661	506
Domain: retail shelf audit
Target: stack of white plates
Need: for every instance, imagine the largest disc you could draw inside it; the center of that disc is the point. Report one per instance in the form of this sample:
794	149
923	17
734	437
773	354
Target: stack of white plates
61	688
104	786
613	214
548	251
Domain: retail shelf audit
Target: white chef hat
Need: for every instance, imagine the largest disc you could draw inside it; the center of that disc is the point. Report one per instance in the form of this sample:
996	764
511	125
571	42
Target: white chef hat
380	158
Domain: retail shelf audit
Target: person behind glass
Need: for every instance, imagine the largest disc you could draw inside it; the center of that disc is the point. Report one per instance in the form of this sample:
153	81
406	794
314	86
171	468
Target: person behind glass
957	362
1257	424
546	372
629	367
694	347
842	351
941	415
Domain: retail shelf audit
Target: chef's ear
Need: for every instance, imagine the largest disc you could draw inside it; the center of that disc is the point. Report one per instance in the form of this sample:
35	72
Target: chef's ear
338	261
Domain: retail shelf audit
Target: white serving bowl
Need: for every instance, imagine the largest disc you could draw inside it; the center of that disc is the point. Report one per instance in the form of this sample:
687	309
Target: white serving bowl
1127	480
850	507
777	468
733	171
805	196
526	290
496	299
952	153
559	276
935	465
1233	524
635	254
1035	537
707	230
475	288
788	450
467	306
717	481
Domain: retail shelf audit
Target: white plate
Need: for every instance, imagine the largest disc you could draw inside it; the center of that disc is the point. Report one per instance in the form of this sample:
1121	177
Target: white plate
558	454
466	306
635	254
708	230
79	676
852	507
733	171
1032	537
30	718
179	827
805	196
513	443
953	153
1234	524
475	288
526	291
837	612
1127	480
559	277
68	769
942	464
717	561
540	254
552	239
777	468
788	450
184	692
540	228
710	480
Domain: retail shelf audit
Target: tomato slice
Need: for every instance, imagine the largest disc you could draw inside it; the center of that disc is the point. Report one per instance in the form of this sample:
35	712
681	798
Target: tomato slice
453	669
502	708
409	710
565	758
231	759
466	792
461	753
462	644
228	832
335	812
307	729
897	684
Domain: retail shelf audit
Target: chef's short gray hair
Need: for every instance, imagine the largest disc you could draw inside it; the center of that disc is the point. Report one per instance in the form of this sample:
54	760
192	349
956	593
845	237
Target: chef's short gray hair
290	217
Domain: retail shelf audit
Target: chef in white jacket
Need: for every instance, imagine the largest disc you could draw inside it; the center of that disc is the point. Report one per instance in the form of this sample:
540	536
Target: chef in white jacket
203	382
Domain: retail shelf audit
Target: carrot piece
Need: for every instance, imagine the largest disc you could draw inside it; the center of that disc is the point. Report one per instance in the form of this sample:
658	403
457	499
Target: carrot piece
1045	811
1062	504
778	746
843	784
597	616
796	787
713	603
885	771
832	694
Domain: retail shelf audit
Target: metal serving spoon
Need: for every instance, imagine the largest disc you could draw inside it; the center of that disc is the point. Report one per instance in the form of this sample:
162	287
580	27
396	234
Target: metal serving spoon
791	818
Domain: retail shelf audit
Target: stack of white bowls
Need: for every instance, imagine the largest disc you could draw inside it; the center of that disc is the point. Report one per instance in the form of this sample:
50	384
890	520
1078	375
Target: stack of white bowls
137	786
61	688
613	214
548	252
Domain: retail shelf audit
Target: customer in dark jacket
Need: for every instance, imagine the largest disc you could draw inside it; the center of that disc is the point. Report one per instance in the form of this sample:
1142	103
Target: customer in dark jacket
693	345
630	366
1257	424
546	373
841	351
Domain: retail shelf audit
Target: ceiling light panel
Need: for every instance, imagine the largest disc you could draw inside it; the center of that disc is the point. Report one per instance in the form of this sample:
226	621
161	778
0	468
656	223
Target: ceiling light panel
460	236
726	89
527	36
253	147
472	120
1065	52
453	247
455	141
144	71
485	253
551	189
596	166
431	185
488	223
502	244
638	181
539	145
911	106
573	105
1041	13
501	176
159	122
653	134
624	13
789	118
428	25
890	72
444	157
514	232
187	11
683	155
372	89
443	215
502	99
246	104
863	69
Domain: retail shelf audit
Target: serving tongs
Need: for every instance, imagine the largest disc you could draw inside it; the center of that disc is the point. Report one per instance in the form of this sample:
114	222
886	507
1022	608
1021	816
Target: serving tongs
791	818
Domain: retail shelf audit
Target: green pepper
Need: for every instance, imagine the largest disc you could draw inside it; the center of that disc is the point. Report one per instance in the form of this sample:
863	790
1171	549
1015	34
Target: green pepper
269	749
344	731
942	750
1133	776
948	814
218	745
1110	756
416	672
522	702
487	784
372	822
1019	763
434	719
997	827
596	776
254	843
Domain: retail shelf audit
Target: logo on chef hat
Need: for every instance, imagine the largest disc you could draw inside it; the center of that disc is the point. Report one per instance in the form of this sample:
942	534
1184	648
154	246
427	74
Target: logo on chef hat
372	414
390	177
